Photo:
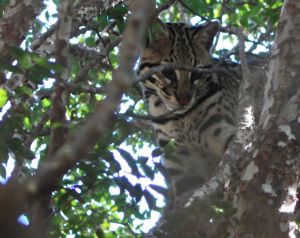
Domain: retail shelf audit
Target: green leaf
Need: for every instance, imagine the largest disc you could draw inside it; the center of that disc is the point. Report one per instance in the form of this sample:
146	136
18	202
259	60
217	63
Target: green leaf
117	12
90	41
25	61
26	122
46	103
75	195
62	199
11	68
24	90
148	171
3	97
151	200
136	192
130	161
100	233
2	171
18	52
159	189
47	15
3	152
37	73
156	152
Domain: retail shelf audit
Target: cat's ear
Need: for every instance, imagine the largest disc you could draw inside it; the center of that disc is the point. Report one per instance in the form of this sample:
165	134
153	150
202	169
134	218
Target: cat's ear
155	33
204	34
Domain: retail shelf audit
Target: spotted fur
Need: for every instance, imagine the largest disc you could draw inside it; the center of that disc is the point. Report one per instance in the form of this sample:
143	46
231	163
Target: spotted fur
203	106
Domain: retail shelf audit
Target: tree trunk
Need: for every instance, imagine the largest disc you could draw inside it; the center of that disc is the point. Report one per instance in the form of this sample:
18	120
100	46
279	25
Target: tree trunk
267	193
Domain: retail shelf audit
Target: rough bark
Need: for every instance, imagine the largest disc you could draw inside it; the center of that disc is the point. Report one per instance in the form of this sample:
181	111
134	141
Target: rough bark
266	197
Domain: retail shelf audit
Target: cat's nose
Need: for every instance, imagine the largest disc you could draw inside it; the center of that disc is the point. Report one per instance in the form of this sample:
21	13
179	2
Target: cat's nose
183	99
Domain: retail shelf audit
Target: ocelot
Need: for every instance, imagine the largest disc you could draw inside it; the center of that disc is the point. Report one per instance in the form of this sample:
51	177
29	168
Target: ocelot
201	107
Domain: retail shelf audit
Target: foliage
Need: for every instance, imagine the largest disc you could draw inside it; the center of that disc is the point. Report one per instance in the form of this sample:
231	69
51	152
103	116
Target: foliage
103	195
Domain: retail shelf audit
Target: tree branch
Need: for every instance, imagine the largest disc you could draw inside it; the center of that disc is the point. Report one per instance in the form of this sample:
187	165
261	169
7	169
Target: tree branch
79	144
42	206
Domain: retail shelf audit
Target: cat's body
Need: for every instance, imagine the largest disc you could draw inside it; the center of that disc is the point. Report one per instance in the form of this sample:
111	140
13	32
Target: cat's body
201	107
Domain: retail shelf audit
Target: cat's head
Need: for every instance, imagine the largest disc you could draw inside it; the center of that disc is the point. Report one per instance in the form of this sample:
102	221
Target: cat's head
182	44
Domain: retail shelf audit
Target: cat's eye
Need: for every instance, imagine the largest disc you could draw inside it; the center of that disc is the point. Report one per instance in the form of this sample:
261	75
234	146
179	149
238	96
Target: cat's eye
168	73
199	83
195	76
165	88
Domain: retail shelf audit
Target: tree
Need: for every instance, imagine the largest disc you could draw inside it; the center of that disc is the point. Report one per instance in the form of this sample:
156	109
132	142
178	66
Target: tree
62	85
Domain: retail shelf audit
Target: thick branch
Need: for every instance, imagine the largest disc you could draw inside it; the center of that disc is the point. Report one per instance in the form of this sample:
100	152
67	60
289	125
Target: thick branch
268	186
41	208
61	54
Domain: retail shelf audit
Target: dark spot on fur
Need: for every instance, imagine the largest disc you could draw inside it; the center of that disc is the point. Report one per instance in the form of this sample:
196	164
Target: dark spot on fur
157	103
174	172
228	141
217	132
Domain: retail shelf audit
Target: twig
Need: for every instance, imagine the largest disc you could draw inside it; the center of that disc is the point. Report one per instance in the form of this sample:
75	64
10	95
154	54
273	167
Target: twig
192	10
213	48
86	89
58	117
163	7
233	51
37	129
38	42
242	55
259	41
171	66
